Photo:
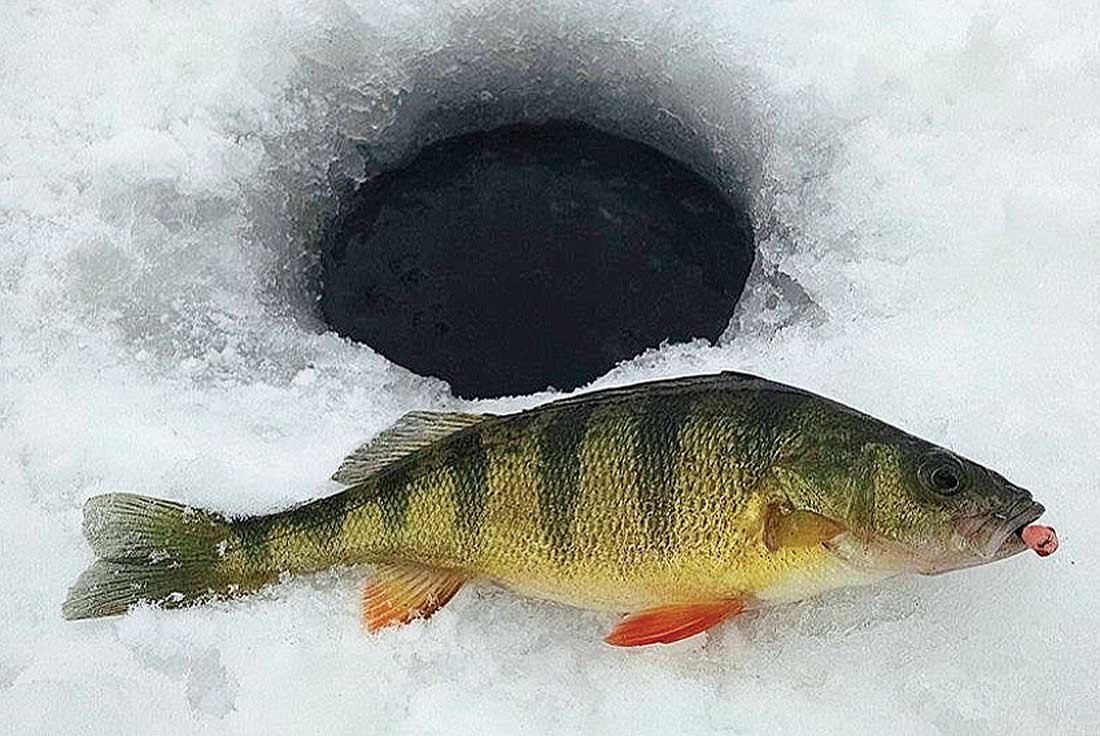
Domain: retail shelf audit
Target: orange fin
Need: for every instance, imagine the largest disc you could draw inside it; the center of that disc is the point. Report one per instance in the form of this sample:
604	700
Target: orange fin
798	528
667	624
400	592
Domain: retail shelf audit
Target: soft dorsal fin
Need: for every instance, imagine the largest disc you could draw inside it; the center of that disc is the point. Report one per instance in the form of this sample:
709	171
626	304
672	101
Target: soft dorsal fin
414	431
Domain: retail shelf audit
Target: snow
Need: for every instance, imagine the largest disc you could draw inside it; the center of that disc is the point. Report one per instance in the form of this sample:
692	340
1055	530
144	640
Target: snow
923	180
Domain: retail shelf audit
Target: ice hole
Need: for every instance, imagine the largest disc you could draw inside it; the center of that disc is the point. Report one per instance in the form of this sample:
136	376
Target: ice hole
531	256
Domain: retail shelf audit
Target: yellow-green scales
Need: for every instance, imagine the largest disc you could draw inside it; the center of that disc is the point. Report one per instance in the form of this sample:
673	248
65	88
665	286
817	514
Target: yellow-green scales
616	500
620	500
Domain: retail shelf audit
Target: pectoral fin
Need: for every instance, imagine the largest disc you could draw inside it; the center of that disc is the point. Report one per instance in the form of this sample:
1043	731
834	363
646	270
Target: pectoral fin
400	592
667	624
798	528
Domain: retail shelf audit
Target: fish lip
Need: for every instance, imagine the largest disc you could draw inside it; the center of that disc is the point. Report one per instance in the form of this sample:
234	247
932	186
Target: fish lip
1006	541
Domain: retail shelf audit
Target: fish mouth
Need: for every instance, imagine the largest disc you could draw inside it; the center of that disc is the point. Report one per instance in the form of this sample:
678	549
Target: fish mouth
989	537
1006	539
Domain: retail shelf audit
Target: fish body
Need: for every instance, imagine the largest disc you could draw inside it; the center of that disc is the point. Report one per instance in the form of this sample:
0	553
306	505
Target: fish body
704	494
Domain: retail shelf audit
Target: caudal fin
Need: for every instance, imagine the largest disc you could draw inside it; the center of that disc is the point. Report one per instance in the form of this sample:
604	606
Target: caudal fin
149	550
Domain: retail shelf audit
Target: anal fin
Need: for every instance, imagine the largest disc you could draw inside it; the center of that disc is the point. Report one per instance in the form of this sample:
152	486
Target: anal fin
666	624
399	592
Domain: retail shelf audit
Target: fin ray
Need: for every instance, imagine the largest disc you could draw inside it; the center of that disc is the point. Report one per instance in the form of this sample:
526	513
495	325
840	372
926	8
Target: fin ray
667	624
414	431
798	528
150	550
400	592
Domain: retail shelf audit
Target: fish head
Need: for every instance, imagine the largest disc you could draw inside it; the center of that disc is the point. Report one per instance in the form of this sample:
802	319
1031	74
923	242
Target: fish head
924	509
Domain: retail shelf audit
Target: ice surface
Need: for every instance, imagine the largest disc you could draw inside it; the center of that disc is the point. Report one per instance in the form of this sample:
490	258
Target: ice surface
924	182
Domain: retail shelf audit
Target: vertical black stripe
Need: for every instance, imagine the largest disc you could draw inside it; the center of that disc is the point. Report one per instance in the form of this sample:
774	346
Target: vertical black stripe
657	450
254	533
297	538
469	465
321	522
394	488
561	438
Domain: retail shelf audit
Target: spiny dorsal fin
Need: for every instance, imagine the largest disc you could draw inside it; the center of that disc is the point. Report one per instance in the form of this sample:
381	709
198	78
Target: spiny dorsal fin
414	431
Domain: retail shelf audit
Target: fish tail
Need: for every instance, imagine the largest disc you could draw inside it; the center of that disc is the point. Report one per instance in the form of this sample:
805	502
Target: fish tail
150	550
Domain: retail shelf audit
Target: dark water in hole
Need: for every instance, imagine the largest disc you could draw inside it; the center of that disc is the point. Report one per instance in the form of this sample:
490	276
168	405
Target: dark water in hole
524	257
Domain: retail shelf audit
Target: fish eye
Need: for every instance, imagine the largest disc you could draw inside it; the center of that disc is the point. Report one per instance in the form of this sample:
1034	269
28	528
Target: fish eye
945	480
942	473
